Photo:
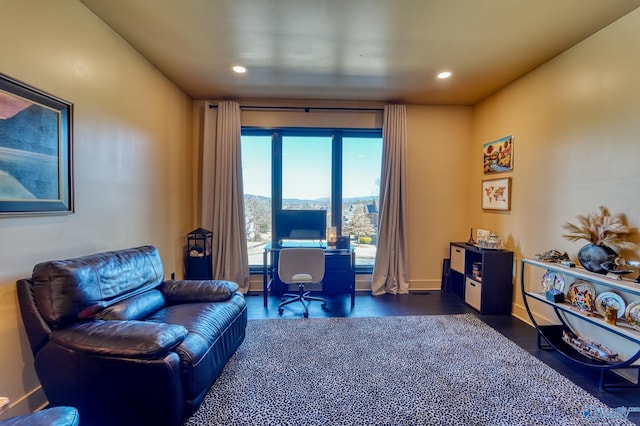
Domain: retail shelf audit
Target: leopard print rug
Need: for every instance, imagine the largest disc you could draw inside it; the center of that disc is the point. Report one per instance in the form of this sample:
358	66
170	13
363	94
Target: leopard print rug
412	370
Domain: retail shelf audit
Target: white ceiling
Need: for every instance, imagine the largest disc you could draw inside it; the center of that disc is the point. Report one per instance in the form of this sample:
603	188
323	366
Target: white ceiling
366	50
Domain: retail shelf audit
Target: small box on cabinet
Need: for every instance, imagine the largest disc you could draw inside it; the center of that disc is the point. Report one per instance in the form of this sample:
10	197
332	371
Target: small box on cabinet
343	242
554	295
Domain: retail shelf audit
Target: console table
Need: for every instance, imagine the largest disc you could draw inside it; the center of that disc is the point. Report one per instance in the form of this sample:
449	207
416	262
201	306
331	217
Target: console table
570	318
339	271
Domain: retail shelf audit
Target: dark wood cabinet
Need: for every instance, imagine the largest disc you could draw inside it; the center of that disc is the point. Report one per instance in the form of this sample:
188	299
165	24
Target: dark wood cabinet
339	273
198	268
483	278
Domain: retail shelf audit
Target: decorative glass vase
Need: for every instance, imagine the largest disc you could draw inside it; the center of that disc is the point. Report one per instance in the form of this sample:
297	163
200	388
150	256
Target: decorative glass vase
592	256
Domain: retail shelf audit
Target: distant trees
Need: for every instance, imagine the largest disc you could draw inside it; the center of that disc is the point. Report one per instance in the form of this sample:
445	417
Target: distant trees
258	210
359	224
258	217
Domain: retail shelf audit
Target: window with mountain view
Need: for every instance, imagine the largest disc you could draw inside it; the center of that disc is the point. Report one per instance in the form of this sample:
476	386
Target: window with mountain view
361	162
336	170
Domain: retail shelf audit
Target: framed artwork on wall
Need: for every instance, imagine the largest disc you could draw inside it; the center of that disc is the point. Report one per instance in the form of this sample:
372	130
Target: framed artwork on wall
498	155
496	194
36	168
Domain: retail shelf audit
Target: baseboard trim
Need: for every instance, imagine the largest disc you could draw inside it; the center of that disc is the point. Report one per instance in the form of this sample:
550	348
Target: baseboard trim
519	311
32	401
425	285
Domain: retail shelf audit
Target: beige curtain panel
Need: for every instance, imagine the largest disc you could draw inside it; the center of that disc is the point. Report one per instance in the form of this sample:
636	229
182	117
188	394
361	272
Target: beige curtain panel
391	269
222	194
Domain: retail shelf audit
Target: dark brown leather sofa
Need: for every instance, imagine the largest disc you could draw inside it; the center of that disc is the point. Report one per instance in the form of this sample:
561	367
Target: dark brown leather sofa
111	337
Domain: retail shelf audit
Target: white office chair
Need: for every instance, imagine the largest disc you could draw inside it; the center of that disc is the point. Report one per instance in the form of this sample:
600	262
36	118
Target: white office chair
300	266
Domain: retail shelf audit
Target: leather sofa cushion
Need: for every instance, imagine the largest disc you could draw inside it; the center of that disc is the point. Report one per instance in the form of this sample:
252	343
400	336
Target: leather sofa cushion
130	339
68	291
137	307
189	291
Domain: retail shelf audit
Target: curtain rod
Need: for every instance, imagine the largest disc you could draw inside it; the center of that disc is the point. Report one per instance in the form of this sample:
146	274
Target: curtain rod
305	109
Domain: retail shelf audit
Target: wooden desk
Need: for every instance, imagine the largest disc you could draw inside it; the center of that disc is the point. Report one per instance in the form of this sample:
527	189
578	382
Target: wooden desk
339	271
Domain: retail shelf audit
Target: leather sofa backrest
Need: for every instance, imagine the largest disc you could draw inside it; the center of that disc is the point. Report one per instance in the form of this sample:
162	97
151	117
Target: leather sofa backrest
72	290
136	307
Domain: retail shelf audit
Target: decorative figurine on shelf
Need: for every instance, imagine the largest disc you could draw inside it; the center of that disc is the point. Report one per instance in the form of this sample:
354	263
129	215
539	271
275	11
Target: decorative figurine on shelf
611	315
590	348
553	255
619	266
471	241
605	233
552	284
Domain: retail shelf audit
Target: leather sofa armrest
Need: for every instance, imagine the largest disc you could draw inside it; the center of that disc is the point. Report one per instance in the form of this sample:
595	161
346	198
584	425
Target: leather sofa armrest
130	339
190	291
52	416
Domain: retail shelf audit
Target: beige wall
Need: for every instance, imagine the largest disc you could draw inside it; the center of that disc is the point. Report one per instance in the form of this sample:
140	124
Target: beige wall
576	142
132	131
438	171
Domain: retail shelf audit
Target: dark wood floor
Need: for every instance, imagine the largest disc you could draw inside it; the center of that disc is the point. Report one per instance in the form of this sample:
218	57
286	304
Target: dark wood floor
437	303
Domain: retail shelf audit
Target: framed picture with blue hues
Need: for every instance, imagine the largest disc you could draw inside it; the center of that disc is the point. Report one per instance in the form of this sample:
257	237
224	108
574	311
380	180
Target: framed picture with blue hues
36	166
498	155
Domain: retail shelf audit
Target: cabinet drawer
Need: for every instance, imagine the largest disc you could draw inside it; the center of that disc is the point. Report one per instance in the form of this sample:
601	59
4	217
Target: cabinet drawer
338	262
457	259
472	291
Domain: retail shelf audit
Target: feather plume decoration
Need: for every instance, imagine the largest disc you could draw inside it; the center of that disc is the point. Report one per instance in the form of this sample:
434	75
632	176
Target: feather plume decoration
601	229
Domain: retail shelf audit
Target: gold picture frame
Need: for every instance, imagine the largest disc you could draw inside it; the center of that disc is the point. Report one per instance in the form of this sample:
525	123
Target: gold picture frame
496	194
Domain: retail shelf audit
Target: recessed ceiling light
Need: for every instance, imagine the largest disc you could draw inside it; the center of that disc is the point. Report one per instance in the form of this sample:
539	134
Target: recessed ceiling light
444	74
239	69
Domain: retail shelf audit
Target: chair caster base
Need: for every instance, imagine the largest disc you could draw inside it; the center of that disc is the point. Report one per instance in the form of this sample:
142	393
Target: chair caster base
280	311
306	314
